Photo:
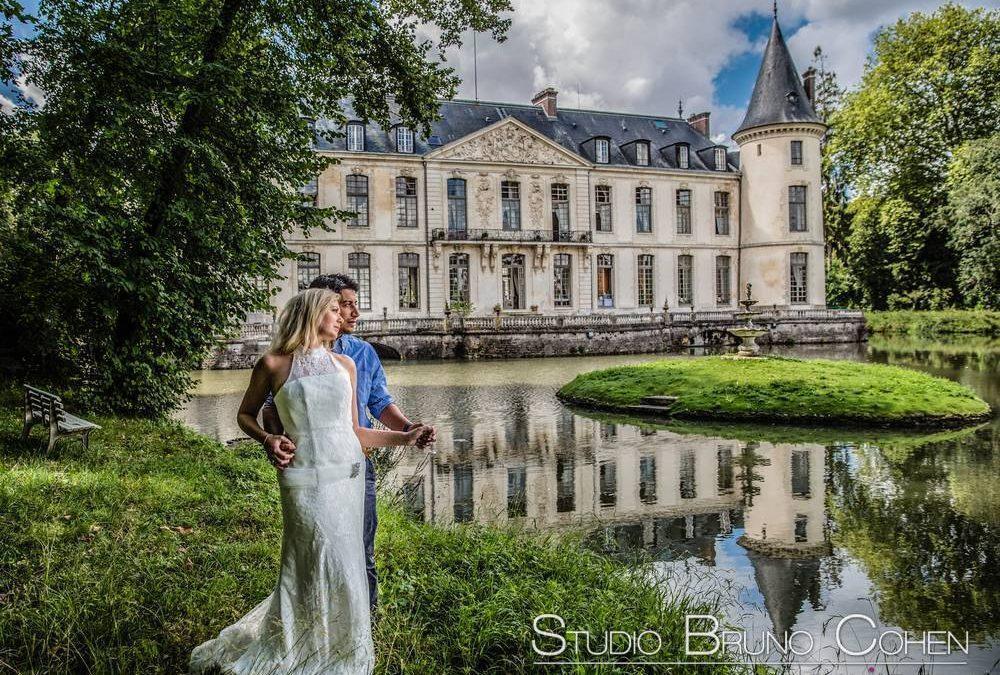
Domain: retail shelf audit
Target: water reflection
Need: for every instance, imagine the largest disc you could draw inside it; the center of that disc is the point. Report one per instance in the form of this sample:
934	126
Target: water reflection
796	527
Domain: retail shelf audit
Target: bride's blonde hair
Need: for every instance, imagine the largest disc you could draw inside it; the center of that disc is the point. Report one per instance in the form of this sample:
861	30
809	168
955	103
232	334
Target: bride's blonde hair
299	321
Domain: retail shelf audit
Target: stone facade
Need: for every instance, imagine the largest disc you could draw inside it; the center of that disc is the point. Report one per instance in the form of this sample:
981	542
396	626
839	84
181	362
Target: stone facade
507	207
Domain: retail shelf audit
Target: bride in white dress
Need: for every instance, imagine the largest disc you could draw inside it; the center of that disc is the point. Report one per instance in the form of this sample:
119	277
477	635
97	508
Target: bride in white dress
317	618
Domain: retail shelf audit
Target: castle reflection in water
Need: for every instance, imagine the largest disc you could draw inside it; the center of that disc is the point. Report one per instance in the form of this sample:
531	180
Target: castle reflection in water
638	486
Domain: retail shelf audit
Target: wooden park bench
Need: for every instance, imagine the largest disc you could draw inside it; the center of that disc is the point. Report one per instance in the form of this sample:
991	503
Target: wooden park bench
41	407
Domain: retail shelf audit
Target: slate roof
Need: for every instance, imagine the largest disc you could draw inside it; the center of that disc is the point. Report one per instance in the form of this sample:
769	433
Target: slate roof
778	95
572	129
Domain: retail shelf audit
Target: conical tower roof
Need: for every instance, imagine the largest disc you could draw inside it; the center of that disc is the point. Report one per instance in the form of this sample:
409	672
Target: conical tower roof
778	95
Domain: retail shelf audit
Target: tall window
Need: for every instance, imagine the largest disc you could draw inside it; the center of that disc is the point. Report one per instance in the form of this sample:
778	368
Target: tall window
605	280
683	156
406	202
565	484
645	280
359	266
355	136
722	213
456	205
800	474
458	277
512	280
560	211
463	502
642	153
723	280
643	209
796	153
609	483
683	212
797	208
688	478
720	159
563	280
307	269
357	200
510	197
797	285
409	281
685	296
602	147
602	199
404	139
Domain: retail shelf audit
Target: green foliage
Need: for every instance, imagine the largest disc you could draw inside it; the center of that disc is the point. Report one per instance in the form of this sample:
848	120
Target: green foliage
930	86
934	324
125	557
791	390
158	182
973	213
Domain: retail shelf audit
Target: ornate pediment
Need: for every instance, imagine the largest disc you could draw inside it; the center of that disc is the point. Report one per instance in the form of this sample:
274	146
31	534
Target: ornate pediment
508	141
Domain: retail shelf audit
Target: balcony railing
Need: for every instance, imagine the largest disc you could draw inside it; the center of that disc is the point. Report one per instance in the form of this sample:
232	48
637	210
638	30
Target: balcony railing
529	236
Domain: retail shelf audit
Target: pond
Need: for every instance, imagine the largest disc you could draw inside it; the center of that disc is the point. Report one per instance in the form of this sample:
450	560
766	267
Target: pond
792	529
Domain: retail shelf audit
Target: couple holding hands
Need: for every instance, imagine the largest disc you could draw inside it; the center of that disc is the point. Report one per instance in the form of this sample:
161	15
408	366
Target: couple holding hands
316	385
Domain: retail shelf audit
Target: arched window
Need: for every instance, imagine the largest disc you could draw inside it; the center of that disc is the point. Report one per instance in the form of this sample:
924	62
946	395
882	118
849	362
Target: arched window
357	200
306	269
458	277
512	281
457	221
359	266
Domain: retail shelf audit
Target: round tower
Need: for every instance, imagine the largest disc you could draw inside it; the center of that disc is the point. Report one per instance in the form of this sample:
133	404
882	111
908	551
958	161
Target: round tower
781	232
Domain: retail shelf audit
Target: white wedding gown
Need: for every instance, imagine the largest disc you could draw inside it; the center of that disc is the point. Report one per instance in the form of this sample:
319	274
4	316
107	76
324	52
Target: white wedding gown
317	618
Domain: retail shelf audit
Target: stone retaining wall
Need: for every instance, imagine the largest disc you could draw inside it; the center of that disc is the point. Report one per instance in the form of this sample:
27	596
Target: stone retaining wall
450	340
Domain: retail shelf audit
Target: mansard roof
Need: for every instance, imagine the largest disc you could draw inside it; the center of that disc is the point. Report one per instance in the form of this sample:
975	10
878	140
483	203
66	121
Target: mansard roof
778	95
571	129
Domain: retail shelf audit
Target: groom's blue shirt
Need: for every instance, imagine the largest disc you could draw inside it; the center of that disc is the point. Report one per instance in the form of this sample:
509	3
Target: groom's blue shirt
372	391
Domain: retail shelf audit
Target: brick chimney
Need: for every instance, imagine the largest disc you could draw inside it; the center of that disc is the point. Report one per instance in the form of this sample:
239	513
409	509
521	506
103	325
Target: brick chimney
700	122
546	98
809	82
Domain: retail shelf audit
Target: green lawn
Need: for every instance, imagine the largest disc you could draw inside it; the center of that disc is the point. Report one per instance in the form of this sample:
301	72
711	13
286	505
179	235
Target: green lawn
935	324
124	557
781	389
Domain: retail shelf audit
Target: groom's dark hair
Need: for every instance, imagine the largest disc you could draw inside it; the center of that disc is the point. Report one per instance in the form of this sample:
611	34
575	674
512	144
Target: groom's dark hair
335	282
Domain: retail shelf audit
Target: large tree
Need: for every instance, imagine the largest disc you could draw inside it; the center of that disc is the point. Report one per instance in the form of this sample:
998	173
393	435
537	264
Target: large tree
156	185
930	85
973	216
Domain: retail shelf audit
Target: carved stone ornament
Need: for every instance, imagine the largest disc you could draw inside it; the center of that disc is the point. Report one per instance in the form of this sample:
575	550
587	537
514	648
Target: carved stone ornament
560	178
645	183
456	173
436	255
358	170
484	200
536	200
359	248
308	248
407	171
510	174
507	143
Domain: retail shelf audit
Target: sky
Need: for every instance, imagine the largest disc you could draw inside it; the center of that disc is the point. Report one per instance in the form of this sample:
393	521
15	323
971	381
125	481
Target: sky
645	56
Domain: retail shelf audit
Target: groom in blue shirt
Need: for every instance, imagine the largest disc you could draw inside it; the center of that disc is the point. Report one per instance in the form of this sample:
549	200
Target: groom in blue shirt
373	397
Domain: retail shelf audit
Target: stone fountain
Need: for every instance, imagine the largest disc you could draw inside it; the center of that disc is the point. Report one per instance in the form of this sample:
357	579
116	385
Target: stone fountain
748	333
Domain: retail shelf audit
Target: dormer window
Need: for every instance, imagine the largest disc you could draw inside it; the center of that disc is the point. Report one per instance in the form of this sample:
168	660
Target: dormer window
356	136
683	157
602	149
404	139
642	153
720	159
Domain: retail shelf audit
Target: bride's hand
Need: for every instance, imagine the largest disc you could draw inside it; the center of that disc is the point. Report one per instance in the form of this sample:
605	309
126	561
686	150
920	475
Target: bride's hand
280	450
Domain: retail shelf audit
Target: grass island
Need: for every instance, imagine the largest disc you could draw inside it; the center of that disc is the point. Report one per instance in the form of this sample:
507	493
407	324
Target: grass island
780	390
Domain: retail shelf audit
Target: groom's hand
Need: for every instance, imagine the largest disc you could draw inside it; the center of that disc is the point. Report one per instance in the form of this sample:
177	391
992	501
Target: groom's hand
280	450
427	435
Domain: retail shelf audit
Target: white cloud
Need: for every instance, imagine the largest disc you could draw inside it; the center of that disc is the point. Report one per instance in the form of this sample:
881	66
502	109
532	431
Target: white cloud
30	91
644	55
6	105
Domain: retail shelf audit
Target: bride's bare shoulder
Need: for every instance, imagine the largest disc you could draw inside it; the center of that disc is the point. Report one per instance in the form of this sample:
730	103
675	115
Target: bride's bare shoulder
274	363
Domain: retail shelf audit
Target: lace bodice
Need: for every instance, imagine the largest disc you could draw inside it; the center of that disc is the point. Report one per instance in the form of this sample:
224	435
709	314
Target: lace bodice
315	403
